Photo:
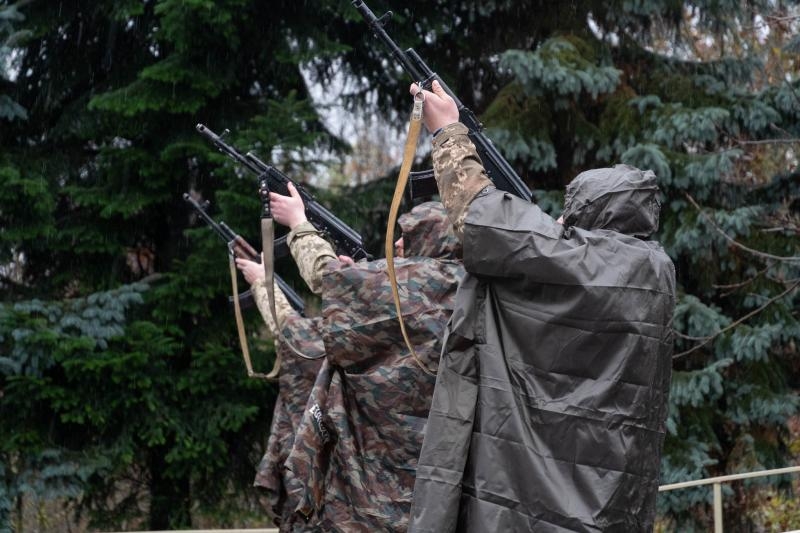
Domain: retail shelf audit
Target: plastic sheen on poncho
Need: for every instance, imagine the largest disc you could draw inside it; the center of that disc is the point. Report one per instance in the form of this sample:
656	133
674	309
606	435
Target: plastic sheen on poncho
551	396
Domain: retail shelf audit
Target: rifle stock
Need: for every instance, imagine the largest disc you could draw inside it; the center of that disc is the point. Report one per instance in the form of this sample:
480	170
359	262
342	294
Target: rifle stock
497	168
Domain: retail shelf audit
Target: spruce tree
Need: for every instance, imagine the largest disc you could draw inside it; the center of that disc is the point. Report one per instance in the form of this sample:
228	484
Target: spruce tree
158	427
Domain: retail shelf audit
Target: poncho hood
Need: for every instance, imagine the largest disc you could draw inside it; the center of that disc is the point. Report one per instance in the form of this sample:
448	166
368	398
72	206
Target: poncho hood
427	232
622	199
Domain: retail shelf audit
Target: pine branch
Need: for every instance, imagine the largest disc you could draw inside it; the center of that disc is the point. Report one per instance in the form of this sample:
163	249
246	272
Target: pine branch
687	337
774	18
780	229
734	324
734	242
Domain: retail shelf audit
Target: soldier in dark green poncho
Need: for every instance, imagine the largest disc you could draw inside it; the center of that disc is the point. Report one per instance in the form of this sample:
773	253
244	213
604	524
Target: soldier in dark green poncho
551	396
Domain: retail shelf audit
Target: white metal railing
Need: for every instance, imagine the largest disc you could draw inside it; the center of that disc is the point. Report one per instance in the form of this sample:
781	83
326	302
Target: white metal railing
718	481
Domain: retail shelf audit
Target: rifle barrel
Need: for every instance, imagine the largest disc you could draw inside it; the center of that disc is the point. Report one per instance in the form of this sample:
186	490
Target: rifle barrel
497	168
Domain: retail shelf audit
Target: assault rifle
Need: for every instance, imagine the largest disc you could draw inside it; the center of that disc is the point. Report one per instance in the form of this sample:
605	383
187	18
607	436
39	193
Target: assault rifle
241	248
345	239
423	183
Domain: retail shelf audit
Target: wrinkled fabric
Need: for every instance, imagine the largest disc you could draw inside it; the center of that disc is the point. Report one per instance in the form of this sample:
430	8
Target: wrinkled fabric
362	427
622	199
427	232
311	253
295	381
551	397
463	164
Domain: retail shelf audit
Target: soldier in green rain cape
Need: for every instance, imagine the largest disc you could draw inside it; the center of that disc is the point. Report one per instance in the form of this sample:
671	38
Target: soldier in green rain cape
551	397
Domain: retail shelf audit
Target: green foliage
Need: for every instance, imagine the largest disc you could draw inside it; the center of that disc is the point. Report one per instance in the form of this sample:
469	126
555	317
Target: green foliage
99	145
648	156
165	87
23	199
92	185
697	387
46	347
558	67
674	125
540	155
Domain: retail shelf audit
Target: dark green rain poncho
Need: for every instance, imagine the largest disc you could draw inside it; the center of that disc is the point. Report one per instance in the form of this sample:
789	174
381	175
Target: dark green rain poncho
551	396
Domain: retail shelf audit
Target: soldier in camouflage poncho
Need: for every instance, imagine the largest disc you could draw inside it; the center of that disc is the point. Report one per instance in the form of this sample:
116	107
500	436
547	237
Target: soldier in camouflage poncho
296	378
360	437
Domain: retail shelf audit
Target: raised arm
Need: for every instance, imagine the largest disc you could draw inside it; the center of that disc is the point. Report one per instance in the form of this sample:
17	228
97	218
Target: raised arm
254	274
457	167
310	250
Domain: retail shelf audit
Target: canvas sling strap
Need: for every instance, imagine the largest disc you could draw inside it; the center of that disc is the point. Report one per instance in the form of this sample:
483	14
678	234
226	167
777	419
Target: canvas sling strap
267	248
414	128
237	310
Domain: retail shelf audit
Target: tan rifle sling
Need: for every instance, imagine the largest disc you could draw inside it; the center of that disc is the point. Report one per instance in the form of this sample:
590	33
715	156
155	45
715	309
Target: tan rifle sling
237	311
267	247
414	128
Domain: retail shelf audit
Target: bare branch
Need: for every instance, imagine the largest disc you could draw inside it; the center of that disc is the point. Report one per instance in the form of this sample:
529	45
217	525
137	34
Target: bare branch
733	286
779	229
733	241
773	18
687	337
736	323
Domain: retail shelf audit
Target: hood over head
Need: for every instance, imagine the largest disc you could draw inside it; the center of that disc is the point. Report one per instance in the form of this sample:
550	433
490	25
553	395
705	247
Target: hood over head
622	199
427	232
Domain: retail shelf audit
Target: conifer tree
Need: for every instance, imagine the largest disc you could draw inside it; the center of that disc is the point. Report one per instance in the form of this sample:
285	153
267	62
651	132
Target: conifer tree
161	426
98	106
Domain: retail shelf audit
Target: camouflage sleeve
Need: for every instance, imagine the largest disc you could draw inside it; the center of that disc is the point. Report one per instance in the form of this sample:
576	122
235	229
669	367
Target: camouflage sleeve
311	253
459	173
283	309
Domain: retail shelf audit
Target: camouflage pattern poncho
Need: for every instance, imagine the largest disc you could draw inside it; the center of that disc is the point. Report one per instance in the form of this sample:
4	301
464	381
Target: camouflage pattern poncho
362	430
296	378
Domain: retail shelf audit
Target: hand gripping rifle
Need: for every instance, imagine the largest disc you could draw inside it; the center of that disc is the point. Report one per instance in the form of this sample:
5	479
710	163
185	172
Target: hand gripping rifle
423	183
345	239
241	248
